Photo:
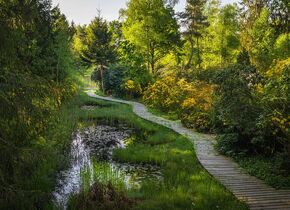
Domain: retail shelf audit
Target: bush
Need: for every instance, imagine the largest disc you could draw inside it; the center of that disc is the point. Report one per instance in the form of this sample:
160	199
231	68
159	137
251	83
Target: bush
113	80
255	108
121	80
133	88
200	121
113	77
275	94
237	105
171	94
191	101
229	144
167	93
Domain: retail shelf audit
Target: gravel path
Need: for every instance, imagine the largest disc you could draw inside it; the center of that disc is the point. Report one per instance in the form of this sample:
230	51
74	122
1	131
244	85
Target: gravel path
253	191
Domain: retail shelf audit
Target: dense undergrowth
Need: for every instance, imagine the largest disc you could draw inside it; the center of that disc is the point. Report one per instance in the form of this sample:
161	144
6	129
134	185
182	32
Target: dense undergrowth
186	184
34	176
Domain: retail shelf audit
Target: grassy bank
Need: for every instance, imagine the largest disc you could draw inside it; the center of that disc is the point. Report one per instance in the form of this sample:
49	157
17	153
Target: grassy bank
186	184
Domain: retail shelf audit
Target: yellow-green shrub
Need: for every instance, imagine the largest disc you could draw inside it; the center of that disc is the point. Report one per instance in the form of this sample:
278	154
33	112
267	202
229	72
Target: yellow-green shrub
164	94
172	94
132	88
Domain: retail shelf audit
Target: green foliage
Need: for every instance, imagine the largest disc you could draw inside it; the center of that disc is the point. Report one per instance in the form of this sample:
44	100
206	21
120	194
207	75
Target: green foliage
200	121
243	58
229	144
250	110
130	57
237	106
270	169
282	46
274	121
228	26
113	79
262	41
97	48
152	28
121	80
35	80
254	117
195	22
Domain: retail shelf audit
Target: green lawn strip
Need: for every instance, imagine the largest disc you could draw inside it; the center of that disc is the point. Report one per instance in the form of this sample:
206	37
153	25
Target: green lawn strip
186	184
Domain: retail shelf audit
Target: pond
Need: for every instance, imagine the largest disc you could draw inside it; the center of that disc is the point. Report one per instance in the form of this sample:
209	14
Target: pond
92	154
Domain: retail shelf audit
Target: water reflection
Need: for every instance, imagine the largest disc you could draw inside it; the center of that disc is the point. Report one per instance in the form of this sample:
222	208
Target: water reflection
98	142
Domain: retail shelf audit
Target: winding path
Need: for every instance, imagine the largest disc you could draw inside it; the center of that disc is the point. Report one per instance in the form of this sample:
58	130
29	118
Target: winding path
253	191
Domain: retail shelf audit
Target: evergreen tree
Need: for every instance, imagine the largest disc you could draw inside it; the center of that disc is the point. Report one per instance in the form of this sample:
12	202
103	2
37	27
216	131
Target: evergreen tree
97	49
195	22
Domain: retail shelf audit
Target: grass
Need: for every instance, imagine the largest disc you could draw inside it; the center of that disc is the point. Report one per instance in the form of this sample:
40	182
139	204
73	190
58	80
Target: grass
186	184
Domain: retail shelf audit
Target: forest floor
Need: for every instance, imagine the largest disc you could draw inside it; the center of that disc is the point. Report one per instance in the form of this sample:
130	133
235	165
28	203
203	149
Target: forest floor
247	188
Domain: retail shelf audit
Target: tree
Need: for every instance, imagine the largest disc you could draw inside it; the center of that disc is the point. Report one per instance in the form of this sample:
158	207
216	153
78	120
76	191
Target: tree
195	22
62	33
150	25
115	28
34	52
97	48
211	39
228	29
249	12
262	41
279	14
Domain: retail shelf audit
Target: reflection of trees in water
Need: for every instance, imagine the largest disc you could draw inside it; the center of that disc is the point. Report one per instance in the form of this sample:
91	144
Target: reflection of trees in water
91	161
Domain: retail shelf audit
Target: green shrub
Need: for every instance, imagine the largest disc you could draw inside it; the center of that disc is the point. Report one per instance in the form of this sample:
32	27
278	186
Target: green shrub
229	144
122	81
132	88
113	80
237	106
255	108
274	122
200	121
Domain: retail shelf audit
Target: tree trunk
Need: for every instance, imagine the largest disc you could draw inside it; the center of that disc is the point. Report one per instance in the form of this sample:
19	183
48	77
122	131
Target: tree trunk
198	54
187	66
102	77
153	59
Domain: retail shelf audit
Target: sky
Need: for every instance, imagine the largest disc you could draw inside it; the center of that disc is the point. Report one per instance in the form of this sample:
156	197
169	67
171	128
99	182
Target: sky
83	11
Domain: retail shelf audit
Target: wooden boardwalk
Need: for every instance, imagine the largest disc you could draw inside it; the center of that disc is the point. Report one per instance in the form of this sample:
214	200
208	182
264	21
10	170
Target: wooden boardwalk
253	191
